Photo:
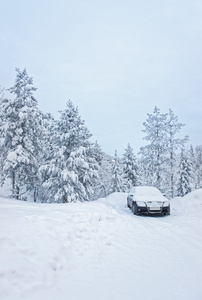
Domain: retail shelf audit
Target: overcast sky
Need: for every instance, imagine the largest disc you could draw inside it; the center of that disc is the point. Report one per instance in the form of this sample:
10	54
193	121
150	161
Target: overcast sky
114	59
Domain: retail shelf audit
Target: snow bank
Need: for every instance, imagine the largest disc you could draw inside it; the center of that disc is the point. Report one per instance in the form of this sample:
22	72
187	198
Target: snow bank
189	204
100	250
115	199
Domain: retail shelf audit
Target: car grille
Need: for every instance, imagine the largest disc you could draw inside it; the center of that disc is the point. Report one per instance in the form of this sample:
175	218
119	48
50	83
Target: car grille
154	209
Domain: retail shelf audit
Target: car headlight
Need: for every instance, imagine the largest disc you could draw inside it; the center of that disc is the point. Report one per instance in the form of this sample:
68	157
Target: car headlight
166	203
141	203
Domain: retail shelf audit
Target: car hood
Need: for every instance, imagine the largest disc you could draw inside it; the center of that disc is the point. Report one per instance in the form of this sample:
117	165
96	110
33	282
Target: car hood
147	198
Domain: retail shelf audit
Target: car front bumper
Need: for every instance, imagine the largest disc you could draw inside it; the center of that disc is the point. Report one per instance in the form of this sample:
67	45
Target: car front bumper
153	211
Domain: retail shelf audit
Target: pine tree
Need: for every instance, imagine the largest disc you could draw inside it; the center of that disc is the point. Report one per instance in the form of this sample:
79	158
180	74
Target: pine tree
198	172
130	168
1	138
117	181
47	153
71	168
86	166
96	154
193	169
20	131
72	130
105	173
184	175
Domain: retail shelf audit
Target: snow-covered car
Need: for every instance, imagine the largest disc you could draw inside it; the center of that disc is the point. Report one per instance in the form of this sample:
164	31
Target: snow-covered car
148	200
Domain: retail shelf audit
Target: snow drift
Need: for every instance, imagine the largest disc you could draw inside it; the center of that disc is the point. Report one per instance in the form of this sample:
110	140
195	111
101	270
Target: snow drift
99	250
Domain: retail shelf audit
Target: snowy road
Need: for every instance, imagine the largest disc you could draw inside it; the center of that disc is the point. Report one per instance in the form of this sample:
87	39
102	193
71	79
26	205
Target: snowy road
100	251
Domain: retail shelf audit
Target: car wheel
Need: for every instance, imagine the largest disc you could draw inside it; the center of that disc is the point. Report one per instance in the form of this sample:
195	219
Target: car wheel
134	208
128	204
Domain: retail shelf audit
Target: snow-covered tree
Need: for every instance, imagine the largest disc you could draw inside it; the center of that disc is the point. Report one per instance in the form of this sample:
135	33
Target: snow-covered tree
20	131
198	165
1	138
145	175
47	152
117	182
158	158
130	167
172	128
71	168
184	174
87	170
97	152
193	168
154	154
103	182
71	129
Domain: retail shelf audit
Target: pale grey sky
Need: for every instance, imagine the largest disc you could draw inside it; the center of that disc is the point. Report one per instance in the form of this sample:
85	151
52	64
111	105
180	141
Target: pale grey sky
114	59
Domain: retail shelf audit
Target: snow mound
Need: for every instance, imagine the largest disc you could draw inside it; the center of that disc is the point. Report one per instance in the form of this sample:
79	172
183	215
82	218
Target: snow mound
190	203
115	199
195	196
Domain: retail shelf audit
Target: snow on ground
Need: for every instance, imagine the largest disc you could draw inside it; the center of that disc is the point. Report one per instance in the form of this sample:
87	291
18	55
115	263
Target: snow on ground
100	251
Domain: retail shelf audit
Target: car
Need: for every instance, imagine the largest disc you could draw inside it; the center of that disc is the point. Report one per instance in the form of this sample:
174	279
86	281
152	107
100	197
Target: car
148	200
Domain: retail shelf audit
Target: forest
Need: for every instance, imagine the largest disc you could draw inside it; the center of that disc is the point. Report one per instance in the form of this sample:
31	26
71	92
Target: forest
56	161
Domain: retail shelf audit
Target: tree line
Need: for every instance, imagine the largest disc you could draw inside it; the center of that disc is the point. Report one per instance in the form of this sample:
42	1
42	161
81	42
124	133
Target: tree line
56	161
